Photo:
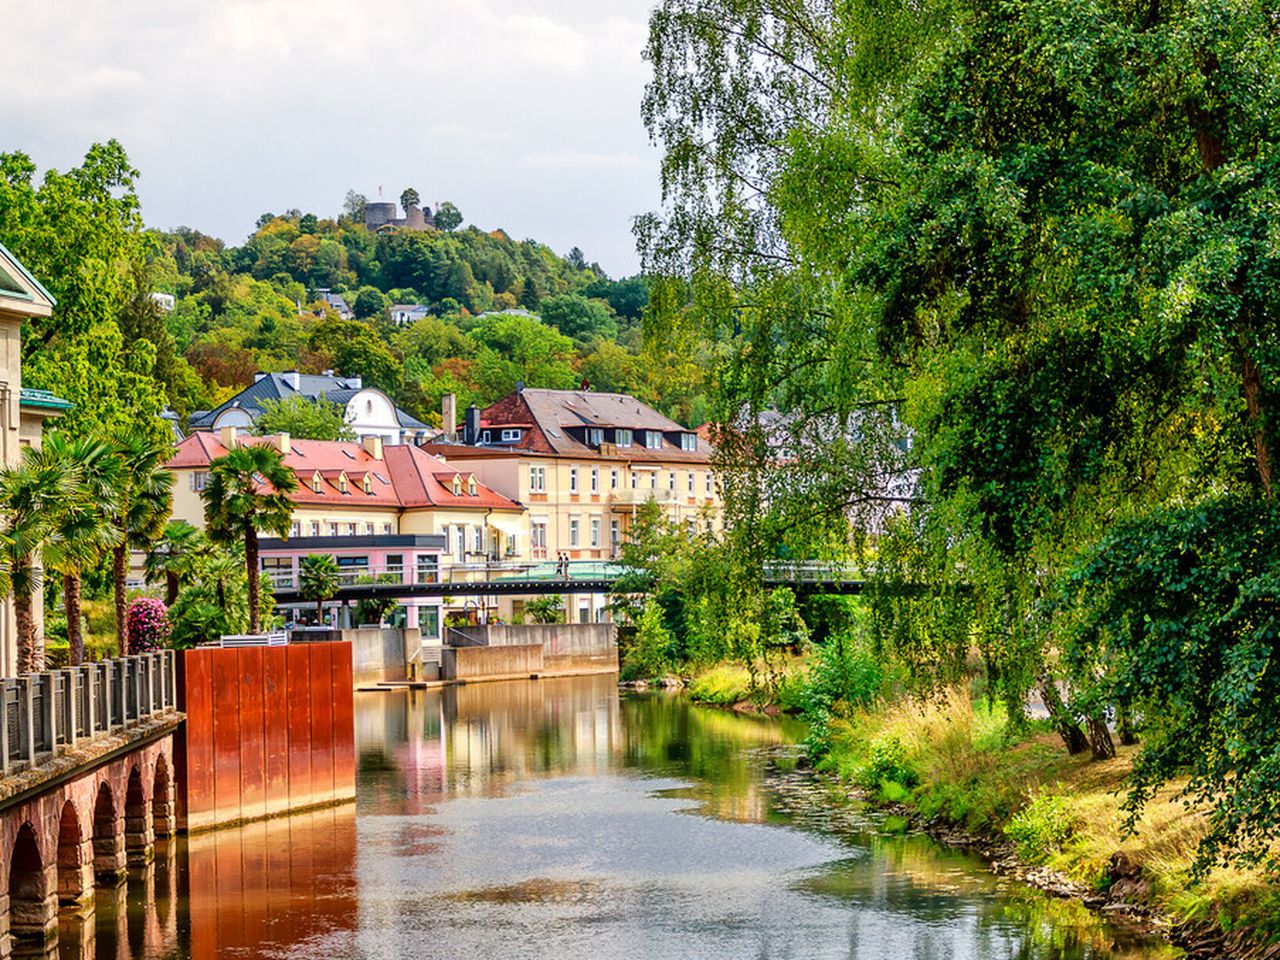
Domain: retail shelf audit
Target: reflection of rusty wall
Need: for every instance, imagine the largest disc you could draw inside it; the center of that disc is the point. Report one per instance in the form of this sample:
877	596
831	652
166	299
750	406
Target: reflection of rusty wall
268	729
267	886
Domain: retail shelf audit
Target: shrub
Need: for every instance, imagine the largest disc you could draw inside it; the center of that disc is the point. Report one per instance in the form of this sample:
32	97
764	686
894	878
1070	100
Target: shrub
149	625
546	609
1041	827
650	653
886	762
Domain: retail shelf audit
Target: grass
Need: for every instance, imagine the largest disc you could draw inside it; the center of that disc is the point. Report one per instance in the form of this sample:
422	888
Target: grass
727	684
972	771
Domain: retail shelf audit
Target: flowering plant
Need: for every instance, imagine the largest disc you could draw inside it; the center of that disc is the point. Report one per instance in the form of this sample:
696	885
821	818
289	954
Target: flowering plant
149	625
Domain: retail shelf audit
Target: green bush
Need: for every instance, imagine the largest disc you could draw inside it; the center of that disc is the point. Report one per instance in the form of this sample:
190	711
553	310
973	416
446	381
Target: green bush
651	652
886	762
1041	827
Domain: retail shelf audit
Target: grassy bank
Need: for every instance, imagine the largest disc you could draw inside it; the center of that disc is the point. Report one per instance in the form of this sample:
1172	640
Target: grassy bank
732	684
959	762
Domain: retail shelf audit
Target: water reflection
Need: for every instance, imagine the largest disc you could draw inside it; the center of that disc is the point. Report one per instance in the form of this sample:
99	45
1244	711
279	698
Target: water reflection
555	818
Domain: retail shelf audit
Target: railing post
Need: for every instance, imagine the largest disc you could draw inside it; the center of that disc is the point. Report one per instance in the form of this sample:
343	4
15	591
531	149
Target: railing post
5	747
71	697
88	673
26	728
117	670
48	715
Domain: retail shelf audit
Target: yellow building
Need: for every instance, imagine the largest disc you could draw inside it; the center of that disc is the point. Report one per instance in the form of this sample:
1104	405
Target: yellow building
22	412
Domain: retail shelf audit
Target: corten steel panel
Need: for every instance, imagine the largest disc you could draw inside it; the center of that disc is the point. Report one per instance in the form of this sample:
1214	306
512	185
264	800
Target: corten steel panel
344	733
226	735
275	723
321	723
298	659
193	754
253	777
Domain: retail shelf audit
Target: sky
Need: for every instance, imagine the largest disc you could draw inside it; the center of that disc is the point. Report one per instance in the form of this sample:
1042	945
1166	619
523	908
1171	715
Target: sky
523	113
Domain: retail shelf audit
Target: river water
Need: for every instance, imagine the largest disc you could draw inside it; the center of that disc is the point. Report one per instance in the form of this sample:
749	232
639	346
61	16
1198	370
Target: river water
560	818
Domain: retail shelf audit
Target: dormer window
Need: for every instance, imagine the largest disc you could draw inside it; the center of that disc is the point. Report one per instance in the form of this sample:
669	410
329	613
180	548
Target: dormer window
653	439
595	436
689	441
317	482
472	489
622	438
366	484
510	436
457	485
342	483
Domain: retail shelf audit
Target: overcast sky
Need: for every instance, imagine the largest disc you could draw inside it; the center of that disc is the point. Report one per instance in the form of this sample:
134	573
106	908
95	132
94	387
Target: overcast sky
525	113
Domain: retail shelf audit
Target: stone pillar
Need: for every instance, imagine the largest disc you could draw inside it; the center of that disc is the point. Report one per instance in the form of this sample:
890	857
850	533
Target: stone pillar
164	822
139	837
35	918
75	880
6	948
109	863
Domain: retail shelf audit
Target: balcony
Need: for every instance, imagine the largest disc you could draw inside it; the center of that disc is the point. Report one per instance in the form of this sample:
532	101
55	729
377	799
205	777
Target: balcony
468	572
625	499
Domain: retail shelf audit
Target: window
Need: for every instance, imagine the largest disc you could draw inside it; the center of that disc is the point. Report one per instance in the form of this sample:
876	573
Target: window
510	436
595	531
317	482
333	529
671	480
538	538
477	539
622	438
199	480
615	532
653	480
691	483
429	621
351	529
460	543
395	564
573	479
315	528
537	479
457	485
691	528
484	436
653	439
368	529
386	528
295	530
428	568
574	524
688	441
472	489
595	480
635	479
613	479
708	484
595	436
342	483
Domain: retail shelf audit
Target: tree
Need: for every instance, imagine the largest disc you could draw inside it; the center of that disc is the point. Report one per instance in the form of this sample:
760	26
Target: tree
307	419
173	557
356	350
409	198
83	526
448	218
318	580
353	206
370	302
247	493
30	492
516	347
144	501
577	317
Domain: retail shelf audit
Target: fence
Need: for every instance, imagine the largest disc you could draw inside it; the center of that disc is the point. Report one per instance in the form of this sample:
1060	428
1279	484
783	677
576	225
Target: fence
47	713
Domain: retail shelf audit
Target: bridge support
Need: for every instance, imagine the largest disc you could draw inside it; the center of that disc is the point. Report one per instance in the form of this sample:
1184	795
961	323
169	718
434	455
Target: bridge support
32	891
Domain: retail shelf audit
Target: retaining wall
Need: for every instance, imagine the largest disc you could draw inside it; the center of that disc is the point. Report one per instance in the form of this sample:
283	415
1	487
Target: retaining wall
381	653
567	648
505	662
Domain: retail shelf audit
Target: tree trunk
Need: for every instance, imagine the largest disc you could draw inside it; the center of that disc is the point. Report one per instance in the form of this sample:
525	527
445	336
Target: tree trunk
1124	727
120	573
71	600
1073	737
1252	388
26	622
170	588
251	570
1100	739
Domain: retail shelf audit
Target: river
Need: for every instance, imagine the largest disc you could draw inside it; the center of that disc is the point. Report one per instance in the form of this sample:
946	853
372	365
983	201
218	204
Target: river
560	818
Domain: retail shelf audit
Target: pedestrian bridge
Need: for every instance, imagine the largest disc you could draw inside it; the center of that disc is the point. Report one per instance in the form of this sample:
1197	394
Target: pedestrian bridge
87	785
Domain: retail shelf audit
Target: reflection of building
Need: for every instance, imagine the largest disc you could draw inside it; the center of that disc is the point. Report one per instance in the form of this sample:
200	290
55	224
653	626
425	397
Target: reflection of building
367	411
22	411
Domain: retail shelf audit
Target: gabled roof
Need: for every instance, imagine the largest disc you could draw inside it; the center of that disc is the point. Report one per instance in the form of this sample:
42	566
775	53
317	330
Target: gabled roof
423	480
18	284
278	386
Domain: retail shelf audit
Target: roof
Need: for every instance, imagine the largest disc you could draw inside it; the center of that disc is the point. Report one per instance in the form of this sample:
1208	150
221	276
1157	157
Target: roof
43	400
404	477
550	419
278	386
12	287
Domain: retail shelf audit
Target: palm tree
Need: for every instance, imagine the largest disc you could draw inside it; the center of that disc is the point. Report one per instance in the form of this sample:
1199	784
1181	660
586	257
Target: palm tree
173	556
82	525
248	491
145	502
30	492
318	580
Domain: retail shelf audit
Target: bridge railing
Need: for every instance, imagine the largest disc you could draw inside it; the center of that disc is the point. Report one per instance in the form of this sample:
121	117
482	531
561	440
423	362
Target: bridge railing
811	571
45	714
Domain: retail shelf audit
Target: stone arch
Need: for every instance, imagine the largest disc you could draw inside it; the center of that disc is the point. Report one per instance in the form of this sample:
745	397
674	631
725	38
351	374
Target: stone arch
139	837
33	901
75	857
108	837
162	821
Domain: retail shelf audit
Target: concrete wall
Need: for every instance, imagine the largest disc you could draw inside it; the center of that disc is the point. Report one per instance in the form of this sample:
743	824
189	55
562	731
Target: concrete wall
566	647
268	729
380	653
507	662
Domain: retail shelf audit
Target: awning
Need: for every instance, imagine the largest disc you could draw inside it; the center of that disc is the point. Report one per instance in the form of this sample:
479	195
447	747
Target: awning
507	523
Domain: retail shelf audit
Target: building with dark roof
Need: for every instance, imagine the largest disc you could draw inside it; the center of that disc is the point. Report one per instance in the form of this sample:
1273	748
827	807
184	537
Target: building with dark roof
368	411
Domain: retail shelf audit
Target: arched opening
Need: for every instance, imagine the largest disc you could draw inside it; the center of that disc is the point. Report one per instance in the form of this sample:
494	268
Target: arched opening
137	821
73	879
33	913
108	852
161	804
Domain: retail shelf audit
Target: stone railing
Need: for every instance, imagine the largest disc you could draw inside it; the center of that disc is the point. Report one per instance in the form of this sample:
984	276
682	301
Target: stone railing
47	713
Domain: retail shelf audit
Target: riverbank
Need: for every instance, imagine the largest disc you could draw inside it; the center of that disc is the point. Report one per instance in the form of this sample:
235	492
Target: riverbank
1053	820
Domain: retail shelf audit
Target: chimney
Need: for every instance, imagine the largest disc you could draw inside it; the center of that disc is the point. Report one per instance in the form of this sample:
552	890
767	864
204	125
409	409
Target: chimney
229	436
471	428
449	416
519	386
283	444
372	445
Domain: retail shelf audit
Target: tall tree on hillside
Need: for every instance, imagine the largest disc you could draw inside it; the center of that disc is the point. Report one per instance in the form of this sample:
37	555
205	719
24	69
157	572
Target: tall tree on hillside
247	494
448	217
409	198
353	206
145	501
83	525
31	491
